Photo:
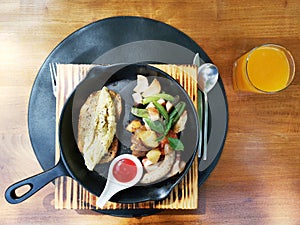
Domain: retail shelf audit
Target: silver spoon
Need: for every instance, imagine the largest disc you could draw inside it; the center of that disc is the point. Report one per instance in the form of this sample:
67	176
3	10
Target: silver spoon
207	78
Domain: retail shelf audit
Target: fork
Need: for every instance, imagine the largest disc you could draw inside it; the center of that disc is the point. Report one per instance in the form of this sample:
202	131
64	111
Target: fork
53	73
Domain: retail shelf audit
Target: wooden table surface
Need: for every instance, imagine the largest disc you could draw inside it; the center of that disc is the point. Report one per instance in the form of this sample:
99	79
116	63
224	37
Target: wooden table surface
257	180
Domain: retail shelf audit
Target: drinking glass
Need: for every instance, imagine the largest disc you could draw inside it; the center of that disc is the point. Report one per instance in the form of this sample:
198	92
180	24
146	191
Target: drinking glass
268	68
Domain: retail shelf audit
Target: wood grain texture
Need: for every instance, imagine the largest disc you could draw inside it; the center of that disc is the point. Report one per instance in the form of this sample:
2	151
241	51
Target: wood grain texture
70	195
258	177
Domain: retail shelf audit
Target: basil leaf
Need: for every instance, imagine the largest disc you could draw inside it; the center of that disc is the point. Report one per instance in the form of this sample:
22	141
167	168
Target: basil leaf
155	125
160	138
176	144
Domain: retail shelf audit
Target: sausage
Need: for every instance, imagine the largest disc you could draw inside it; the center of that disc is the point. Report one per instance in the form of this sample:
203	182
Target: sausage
161	171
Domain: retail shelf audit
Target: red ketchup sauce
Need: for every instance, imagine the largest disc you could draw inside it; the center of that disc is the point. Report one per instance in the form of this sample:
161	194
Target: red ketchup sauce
124	170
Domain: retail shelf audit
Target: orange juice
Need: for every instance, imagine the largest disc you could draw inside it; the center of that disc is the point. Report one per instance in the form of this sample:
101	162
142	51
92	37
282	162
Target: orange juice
268	68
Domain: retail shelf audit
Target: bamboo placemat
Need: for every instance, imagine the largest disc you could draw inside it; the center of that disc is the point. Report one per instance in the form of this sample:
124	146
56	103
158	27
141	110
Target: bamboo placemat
70	195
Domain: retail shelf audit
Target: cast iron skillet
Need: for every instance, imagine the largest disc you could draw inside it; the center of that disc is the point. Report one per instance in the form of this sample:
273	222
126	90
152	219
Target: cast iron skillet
71	162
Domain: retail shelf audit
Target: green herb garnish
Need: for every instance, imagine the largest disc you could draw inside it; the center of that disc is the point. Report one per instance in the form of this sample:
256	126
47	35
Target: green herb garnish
140	112
176	144
161	110
156	97
156	125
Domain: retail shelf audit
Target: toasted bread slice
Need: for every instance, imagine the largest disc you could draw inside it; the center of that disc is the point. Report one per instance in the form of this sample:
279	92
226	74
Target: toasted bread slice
112	151
117	102
97	127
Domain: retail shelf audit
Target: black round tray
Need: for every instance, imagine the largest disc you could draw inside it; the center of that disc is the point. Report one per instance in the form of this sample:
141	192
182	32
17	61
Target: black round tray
126	40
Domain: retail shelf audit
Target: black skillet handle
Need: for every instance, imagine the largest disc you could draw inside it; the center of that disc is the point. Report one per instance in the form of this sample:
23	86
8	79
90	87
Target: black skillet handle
35	183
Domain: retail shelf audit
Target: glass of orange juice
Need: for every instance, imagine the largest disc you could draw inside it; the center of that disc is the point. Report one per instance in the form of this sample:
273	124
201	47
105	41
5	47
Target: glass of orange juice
265	69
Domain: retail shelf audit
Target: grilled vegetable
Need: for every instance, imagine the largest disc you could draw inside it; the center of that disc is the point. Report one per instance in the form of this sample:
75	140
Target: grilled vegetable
153	89
153	155
154	139
148	137
142	84
133	125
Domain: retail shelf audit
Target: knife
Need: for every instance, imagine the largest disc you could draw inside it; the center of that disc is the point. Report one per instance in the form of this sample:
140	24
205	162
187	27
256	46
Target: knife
197	62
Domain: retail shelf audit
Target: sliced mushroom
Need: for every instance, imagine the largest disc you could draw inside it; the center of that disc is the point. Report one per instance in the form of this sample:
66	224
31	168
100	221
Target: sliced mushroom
142	84
153	89
137	98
